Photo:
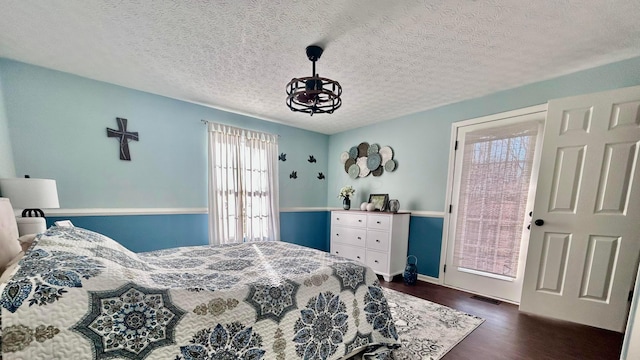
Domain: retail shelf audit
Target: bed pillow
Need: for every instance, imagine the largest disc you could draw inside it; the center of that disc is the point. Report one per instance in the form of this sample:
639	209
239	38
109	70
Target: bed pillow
9	248
9	245
26	241
11	267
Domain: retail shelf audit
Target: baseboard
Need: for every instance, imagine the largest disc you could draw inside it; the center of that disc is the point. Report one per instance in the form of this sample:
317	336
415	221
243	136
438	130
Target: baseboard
124	211
429	279
151	211
481	294
433	214
436	281
417	213
303	209
195	210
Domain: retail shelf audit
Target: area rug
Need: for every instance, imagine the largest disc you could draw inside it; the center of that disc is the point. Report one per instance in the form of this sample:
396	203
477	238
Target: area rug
427	330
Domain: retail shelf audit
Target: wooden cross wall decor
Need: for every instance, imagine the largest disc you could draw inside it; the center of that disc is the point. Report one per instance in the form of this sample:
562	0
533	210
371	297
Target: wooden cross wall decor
124	136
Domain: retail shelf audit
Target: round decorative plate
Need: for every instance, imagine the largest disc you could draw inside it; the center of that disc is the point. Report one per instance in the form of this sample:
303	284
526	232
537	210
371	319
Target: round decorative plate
378	171
386	153
373	149
348	163
354	171
362	164
344	156
373	161
353	152
390	165
363	148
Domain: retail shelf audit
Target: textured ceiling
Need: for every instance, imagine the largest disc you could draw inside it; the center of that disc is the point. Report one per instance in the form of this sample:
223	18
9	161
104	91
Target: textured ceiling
391	57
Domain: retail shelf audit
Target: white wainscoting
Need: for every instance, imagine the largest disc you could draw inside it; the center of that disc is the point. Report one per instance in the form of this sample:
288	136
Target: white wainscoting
203	210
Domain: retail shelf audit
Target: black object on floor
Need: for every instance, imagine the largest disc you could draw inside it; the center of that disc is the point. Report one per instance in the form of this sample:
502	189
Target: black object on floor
486	299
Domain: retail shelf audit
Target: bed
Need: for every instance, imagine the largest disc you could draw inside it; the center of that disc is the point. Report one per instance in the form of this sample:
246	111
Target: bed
77	294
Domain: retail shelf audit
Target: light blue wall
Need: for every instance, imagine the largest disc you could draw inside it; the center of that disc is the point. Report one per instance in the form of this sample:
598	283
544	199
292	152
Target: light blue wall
7	168
58	121
425	235
142	233
421	140
306	228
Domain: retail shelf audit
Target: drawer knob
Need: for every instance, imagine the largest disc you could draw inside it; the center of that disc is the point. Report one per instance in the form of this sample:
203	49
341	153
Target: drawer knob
377	222
375	261
337	234
359	220
377	240
358	257
359	238
337	252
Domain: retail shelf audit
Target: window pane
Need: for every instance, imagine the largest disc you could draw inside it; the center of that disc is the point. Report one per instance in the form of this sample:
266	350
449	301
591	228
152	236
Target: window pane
495	177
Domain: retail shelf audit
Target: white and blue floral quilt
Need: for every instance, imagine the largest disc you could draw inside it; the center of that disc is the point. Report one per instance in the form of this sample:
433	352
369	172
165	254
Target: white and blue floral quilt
80	295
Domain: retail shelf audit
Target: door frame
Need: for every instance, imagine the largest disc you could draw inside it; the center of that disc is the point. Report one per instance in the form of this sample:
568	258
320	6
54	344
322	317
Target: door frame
536	109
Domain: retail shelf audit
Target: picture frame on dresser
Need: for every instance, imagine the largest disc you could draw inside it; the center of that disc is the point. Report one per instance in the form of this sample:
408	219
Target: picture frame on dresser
379	201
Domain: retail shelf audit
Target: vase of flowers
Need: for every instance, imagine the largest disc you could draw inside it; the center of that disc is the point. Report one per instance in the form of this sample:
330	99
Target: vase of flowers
345	193
346	203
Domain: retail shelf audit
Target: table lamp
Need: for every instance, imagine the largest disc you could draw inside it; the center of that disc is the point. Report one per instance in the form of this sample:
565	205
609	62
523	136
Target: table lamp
31	195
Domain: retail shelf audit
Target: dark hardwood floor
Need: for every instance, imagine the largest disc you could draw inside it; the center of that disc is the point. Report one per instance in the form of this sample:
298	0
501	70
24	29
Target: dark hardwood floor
509	334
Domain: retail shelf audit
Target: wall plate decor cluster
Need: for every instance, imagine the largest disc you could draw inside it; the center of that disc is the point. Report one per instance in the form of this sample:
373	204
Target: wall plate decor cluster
365	159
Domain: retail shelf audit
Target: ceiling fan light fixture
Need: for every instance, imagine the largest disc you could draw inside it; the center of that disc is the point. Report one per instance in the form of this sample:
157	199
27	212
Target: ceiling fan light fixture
314	94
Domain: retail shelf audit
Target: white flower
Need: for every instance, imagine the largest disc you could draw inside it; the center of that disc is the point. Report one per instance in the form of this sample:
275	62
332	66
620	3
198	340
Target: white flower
346	191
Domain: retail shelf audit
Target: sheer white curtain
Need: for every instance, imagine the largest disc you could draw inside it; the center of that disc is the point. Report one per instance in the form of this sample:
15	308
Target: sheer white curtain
243	185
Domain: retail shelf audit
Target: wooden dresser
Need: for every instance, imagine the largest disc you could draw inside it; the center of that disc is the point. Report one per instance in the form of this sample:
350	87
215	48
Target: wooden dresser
376	239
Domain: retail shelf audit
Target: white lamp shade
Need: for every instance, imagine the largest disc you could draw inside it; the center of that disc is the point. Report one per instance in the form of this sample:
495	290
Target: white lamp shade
27	193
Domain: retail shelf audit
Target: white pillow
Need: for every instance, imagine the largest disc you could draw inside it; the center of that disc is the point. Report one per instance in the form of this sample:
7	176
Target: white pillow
26	241
11	267
9	245
9	248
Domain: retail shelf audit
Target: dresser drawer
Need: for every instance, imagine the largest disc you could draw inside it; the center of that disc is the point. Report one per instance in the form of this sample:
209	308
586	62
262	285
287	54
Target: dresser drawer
346	219
381	222
349	236
378	240
377	261
349	252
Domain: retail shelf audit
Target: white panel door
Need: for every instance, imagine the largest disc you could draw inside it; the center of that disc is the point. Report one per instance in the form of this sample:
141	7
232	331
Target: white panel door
583	253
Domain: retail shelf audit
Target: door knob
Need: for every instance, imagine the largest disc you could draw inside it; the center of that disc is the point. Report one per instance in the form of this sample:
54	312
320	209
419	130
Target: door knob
539	222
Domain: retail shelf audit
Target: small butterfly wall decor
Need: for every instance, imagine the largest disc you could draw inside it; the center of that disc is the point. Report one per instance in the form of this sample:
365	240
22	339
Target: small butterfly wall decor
282	157
320	176
293	175
311	159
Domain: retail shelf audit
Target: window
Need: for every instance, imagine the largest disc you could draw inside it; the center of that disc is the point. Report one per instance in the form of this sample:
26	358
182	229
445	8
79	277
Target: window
494	189
243	185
